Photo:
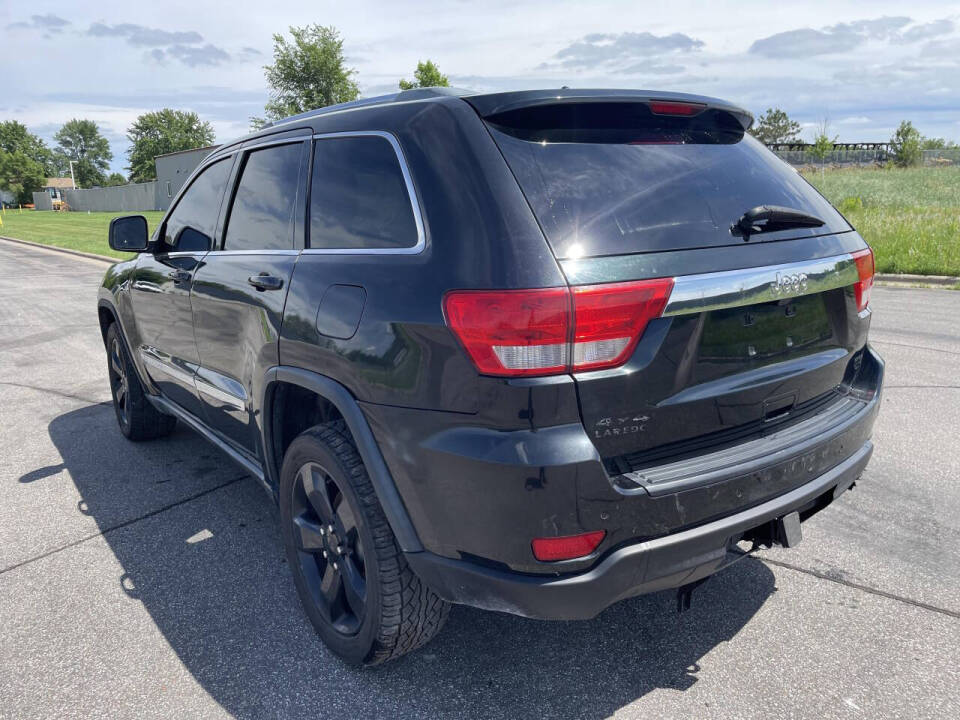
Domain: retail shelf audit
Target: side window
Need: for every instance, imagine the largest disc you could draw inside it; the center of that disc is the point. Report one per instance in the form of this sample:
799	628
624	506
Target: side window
262	217
194	220
358	196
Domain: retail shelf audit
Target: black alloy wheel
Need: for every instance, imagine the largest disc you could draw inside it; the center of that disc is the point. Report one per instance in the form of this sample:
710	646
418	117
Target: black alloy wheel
329	548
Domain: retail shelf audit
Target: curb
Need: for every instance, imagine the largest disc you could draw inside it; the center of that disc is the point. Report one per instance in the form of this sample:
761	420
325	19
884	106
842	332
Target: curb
68	251
903	279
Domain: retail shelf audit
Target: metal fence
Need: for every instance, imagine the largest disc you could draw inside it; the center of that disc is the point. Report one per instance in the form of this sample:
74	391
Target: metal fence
119	198
865	156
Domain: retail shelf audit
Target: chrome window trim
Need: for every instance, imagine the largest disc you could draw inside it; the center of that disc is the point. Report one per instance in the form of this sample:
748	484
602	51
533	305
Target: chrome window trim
735	288
411	195
266	251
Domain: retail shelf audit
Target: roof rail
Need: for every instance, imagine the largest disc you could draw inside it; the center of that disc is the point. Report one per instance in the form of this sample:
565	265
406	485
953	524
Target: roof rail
399	96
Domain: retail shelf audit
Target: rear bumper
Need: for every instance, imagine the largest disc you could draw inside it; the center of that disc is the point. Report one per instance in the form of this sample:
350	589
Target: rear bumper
670	561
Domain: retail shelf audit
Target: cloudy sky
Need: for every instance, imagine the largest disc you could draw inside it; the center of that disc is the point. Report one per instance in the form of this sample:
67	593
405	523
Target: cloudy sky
865	66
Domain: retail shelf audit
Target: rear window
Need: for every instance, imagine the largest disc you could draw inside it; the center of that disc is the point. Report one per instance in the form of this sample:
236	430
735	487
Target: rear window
610	179
358	196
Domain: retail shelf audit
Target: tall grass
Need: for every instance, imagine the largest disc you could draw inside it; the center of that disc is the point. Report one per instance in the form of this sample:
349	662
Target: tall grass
911	217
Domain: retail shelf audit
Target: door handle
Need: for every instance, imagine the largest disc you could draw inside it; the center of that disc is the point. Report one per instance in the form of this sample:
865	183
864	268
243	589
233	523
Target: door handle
179	275
265	282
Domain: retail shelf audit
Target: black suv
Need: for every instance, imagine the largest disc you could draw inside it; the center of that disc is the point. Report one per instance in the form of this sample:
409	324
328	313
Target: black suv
533	351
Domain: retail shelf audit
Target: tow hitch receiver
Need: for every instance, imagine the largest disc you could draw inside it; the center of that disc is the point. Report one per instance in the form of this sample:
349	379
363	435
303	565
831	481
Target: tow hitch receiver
784	531
788	530
685	594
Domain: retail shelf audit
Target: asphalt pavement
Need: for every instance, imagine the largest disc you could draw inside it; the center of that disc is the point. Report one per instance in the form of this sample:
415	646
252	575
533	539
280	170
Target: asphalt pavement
148	579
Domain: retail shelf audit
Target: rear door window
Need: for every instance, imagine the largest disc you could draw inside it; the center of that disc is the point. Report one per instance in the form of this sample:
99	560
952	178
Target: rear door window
605	181
264	205
359	197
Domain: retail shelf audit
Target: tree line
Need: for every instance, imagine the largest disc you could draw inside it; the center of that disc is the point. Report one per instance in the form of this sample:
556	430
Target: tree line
309	71
774	127
26	162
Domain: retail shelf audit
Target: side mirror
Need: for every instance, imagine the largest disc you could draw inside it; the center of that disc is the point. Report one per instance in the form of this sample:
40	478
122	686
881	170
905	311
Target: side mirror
129	233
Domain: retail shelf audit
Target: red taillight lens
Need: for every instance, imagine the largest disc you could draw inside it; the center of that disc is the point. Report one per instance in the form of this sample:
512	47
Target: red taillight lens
568	547
554	330
861	289
512	332
609	320
670	107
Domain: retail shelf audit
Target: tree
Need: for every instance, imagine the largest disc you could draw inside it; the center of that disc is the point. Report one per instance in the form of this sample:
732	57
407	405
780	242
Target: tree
21	175
81	142
822	144
308	72
161	132
426	75
14	137
113	179
775	126
937	144
906	145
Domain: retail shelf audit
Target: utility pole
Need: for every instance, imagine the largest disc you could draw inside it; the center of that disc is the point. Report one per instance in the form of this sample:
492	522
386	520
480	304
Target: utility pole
72	178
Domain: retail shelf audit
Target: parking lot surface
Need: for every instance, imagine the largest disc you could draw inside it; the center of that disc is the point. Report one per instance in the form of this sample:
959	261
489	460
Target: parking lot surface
148	579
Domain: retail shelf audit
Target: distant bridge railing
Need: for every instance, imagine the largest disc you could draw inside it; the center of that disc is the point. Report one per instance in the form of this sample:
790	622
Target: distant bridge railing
859	154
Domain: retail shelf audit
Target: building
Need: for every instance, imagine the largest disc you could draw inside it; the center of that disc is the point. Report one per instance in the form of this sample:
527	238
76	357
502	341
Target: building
54	187
173	169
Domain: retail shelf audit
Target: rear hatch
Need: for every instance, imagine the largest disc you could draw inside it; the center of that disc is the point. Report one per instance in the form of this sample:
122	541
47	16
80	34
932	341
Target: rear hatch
766	314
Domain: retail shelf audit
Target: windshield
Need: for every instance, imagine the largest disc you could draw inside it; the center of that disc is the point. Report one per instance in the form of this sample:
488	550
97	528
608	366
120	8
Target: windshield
655	193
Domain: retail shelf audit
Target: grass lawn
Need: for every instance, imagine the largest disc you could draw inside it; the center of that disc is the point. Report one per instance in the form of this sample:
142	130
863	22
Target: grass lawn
911	217
74	230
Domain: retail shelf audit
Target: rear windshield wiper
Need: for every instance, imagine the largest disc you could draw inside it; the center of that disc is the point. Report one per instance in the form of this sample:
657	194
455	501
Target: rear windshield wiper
770	218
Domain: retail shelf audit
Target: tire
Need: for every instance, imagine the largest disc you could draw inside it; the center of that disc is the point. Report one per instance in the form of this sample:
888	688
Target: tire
137	417
395	613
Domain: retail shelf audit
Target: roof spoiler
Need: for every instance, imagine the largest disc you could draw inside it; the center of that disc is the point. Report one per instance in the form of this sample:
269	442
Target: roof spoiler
497	103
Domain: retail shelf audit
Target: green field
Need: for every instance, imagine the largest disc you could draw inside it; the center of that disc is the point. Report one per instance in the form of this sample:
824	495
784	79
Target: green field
77	231
910	217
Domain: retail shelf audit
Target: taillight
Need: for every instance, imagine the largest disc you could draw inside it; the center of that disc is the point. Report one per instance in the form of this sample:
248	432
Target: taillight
568	547
672	107
609	320
513	332
861	289
554	330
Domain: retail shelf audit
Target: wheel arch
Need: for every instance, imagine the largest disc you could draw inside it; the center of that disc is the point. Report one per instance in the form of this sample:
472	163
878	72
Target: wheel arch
346	406
107	315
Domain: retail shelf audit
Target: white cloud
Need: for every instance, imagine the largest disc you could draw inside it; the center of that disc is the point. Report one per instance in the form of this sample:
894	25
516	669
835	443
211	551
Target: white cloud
876	68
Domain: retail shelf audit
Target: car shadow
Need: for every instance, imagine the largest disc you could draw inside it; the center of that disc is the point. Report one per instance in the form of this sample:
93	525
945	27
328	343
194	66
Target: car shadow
210	571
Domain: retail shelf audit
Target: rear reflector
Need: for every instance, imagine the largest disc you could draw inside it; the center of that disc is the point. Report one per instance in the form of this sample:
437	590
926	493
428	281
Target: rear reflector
660	107
568	547
554	330
861	289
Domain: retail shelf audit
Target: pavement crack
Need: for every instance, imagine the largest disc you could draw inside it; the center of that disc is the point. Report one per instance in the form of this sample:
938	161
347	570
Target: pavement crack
123	524
58	393
864	588
913	347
